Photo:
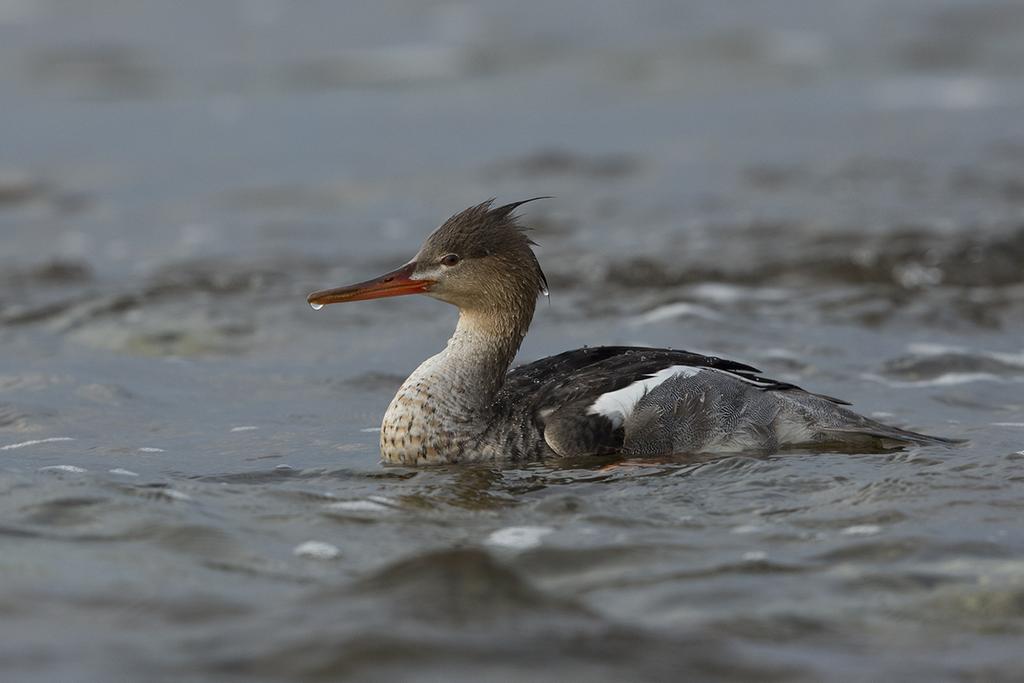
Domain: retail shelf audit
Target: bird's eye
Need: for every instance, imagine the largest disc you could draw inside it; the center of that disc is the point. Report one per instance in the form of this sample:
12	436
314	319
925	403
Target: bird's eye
450	260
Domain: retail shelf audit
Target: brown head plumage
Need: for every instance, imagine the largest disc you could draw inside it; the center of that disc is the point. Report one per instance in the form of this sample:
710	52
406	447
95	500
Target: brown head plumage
481	257
480	260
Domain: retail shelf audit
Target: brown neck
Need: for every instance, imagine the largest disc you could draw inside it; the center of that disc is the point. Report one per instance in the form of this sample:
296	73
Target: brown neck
447	403
485	343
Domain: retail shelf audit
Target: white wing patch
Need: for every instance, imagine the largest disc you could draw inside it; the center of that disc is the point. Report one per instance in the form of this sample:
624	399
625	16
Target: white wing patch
618	405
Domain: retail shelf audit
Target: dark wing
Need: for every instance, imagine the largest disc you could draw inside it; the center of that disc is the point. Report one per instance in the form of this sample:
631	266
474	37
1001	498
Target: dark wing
557	391
590	372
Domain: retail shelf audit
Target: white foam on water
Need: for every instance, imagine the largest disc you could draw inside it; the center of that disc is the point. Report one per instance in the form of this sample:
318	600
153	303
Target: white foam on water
951	94
123	472
518	537
63	468
317	550
1008	358
150	449
1007	424
931	349
861	530
745	529
754	556
175	495
370	430
676	310
782	354
944	380
720	292
244	428
359	506
35	442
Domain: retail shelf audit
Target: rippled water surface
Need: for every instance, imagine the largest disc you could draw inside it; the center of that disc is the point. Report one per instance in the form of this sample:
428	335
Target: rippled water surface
189	477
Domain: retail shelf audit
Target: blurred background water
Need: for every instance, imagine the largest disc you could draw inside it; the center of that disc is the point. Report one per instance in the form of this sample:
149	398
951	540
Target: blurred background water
189	478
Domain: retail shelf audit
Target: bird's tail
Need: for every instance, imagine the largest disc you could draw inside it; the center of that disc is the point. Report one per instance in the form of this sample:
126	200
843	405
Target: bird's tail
876	430
834	422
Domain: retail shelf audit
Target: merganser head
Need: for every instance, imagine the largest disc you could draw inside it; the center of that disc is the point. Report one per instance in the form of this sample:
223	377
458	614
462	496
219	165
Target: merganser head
479	260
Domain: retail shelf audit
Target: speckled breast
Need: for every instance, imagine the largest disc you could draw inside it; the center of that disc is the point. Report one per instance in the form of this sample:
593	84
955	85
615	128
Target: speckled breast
412	432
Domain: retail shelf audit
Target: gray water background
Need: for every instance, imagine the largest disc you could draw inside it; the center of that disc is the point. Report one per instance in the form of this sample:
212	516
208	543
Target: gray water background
831	191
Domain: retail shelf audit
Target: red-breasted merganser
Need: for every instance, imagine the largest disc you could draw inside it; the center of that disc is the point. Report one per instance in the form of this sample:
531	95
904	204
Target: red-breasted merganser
464	404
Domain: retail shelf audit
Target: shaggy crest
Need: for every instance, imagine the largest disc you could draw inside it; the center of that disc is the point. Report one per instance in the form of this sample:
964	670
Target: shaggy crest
481	231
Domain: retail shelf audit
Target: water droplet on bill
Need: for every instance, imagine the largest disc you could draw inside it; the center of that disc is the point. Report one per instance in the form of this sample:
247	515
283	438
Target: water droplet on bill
316	307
